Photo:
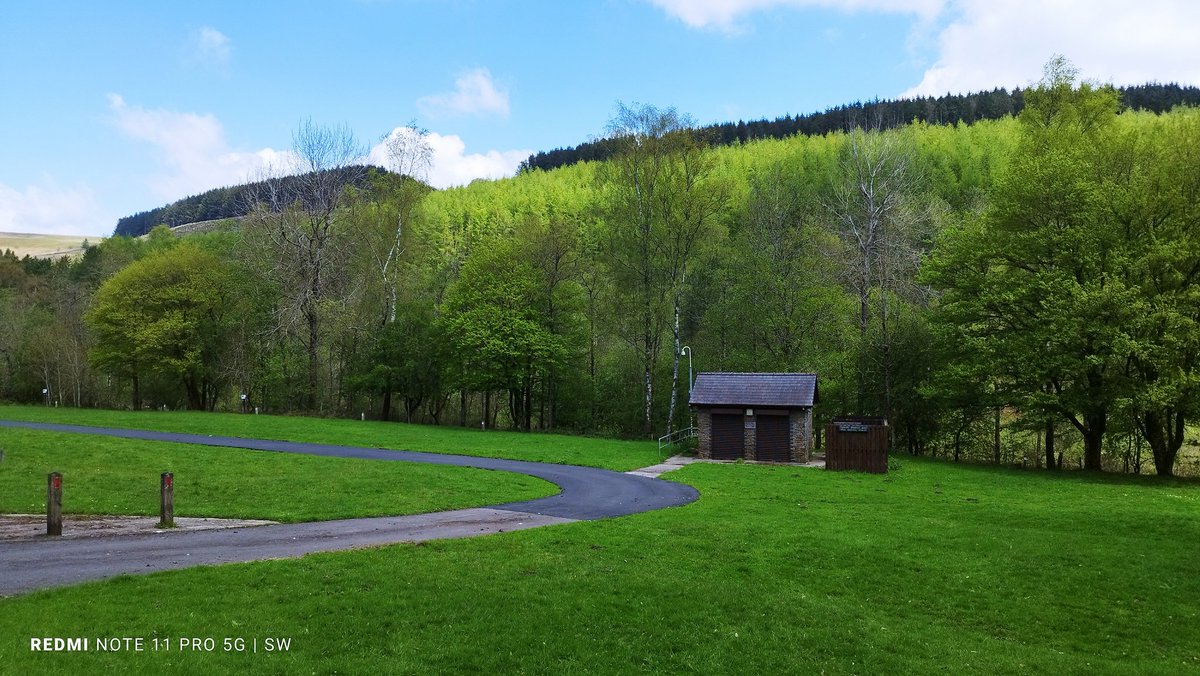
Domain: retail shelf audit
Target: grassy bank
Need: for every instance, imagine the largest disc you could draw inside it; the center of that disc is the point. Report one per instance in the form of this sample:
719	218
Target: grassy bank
932	568
557	448
39	245
119	476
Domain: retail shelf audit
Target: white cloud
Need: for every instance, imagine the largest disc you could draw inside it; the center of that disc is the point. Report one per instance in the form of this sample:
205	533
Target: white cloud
724	15
192	150
988	44
982	44
209	47
452	165
51	209
475	93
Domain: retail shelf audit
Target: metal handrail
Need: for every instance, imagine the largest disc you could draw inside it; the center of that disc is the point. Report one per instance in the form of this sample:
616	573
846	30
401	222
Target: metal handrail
676	437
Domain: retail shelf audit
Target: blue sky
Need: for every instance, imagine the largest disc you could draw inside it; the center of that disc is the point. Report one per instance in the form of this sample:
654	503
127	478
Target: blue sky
110	108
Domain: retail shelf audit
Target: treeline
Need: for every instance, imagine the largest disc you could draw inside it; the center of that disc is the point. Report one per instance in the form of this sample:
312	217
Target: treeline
220	203
1023	290
947	109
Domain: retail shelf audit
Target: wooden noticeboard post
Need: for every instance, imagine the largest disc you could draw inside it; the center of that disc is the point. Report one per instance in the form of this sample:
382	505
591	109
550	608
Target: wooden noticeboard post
859	444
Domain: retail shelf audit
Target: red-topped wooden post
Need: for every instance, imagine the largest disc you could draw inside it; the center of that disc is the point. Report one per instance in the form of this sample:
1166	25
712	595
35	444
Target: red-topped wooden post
54	504
166	500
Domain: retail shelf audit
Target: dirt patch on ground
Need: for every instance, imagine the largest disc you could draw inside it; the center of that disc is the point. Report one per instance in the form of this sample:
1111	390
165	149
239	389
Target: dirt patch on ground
33	526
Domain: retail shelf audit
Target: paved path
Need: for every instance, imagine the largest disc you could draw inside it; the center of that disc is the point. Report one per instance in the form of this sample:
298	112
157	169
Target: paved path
587	493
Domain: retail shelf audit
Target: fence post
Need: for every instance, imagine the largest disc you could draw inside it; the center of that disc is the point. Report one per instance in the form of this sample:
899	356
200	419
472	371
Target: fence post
166	500
54	504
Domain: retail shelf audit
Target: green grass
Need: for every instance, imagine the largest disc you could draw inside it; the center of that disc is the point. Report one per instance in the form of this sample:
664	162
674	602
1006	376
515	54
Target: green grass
934	568
119	476
557	448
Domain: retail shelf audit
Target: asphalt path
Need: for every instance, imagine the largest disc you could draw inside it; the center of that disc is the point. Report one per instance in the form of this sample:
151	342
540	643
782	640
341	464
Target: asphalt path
586	493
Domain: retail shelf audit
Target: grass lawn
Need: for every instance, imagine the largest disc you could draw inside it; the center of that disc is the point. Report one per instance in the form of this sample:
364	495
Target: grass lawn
932	568
119	476
557	448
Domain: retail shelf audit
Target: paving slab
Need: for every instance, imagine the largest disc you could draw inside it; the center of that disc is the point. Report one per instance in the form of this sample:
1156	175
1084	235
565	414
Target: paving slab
33	526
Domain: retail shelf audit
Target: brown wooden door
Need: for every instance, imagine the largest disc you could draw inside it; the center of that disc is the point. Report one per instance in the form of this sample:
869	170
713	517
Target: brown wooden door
728	437
773	439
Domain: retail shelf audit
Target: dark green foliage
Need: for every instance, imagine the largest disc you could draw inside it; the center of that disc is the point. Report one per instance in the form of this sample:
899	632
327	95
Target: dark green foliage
1074	294
402	358
228	202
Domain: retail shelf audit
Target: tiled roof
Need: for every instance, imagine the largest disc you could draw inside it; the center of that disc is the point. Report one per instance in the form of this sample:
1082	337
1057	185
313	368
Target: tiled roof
786	390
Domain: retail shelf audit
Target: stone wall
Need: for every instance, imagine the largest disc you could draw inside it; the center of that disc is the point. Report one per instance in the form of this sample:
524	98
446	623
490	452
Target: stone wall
800	421
749	437
801	433
704	434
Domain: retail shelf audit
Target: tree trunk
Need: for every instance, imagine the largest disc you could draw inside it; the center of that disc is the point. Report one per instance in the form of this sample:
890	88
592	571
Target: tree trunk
194	395
996	438
314	362
860	404
1164	433
528	403
1093	440
487	407
674	370
648	373
385	413
1050	444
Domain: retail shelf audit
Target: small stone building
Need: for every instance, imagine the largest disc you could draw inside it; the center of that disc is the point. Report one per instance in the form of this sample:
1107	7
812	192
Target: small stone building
755	416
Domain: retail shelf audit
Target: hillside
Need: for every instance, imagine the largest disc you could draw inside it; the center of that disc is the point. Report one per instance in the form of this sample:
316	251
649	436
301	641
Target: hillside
222	203
41	246
888	114
235	201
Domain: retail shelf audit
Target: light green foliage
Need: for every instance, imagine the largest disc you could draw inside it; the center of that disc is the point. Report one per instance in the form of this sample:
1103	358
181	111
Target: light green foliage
170	314
1154	196
1041	278
497	328
1079	279
661	202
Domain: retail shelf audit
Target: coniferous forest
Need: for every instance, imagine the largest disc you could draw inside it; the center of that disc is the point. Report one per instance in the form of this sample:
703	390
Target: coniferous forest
1020	285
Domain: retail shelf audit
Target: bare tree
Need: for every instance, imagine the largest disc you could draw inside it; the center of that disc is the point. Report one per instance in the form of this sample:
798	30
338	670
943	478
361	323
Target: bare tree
411	156
296	217
875	223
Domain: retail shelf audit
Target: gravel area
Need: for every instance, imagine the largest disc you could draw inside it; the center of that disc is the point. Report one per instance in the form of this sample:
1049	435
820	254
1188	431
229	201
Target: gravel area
33	526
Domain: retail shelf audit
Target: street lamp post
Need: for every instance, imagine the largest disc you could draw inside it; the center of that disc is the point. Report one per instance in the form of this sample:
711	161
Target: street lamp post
688	349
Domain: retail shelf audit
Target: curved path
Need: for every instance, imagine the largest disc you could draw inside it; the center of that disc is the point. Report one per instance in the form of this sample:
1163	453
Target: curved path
587	493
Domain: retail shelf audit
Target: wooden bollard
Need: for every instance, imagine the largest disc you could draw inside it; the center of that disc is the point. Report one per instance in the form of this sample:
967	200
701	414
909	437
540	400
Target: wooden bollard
54	504
166	500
